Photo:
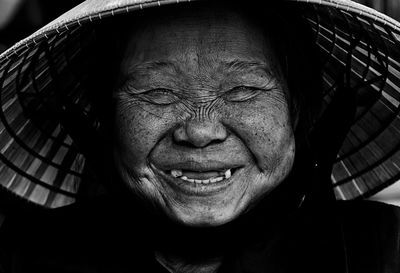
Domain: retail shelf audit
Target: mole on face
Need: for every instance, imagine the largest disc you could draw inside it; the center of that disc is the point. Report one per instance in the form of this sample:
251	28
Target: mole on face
202	122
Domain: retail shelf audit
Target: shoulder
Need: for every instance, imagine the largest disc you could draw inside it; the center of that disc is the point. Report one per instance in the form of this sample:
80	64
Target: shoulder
369	214
365	217
371	233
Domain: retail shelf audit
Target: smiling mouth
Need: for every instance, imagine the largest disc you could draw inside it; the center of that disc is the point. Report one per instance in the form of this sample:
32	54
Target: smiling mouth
198	180
207	177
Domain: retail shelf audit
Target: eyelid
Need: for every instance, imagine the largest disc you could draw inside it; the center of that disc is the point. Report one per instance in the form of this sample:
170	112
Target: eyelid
159	96
246	87
163	90
264	85
244	93
129	88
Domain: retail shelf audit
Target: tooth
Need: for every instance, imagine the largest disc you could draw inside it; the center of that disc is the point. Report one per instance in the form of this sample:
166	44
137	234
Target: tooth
184	178
176	173
205	181
190	180
228	174
198	181
216	179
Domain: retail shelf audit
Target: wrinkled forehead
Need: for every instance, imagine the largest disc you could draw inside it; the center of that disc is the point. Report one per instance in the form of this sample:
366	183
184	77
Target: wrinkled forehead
197	36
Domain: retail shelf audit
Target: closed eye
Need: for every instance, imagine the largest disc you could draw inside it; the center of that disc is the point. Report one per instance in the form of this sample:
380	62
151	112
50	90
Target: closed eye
242	93
159	96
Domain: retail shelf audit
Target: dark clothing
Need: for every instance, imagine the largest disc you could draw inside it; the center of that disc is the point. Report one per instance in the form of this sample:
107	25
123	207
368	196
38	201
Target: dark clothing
360	237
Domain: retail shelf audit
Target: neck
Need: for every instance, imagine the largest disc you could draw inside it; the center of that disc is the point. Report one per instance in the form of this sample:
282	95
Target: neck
202	250
187	249
175	264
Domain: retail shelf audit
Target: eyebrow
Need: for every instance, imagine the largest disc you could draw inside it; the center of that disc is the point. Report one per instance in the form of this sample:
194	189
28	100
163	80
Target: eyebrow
154	65
244	65
238	65
230	66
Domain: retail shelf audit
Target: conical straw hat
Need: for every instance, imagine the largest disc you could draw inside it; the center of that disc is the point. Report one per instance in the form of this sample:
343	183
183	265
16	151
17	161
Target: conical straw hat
42	163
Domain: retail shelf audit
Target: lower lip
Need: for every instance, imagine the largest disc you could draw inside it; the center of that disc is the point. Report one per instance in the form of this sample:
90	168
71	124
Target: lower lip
195	189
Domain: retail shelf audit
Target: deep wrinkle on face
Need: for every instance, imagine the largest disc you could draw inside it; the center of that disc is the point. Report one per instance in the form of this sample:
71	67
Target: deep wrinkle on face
202	92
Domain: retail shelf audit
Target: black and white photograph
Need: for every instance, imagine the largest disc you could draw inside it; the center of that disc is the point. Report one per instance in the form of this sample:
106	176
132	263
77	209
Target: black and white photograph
199	136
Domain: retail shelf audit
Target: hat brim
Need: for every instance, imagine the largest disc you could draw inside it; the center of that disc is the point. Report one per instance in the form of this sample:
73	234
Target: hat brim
42	163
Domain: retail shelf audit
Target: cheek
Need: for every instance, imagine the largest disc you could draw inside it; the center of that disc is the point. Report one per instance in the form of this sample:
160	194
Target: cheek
265	128
137	130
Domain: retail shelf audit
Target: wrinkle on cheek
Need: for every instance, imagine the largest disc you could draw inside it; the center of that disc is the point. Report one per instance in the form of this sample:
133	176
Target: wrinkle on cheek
265	128
137	134
266	182
143	183
279	139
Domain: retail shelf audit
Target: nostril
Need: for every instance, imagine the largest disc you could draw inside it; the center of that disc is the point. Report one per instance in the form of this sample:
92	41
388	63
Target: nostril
216	141
189	144
180	136
184	143
199	134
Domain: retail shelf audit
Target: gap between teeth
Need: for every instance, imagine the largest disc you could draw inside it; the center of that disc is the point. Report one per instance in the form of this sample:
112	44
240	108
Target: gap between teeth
178	174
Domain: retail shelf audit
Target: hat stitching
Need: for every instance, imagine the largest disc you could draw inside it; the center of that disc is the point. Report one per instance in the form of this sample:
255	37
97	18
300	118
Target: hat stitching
25	191
343	4
378	79
350	5
22	144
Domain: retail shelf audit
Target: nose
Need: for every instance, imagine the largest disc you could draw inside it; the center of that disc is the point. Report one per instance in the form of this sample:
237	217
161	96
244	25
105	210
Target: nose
199	134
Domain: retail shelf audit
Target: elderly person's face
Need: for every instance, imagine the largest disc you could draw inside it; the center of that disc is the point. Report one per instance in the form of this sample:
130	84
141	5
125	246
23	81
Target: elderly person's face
203	129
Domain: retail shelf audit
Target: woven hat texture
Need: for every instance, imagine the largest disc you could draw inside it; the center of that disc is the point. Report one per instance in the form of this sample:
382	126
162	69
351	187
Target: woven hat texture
41	161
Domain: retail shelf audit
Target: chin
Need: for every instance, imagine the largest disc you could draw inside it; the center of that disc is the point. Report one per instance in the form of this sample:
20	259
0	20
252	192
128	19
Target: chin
203	216
205	220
